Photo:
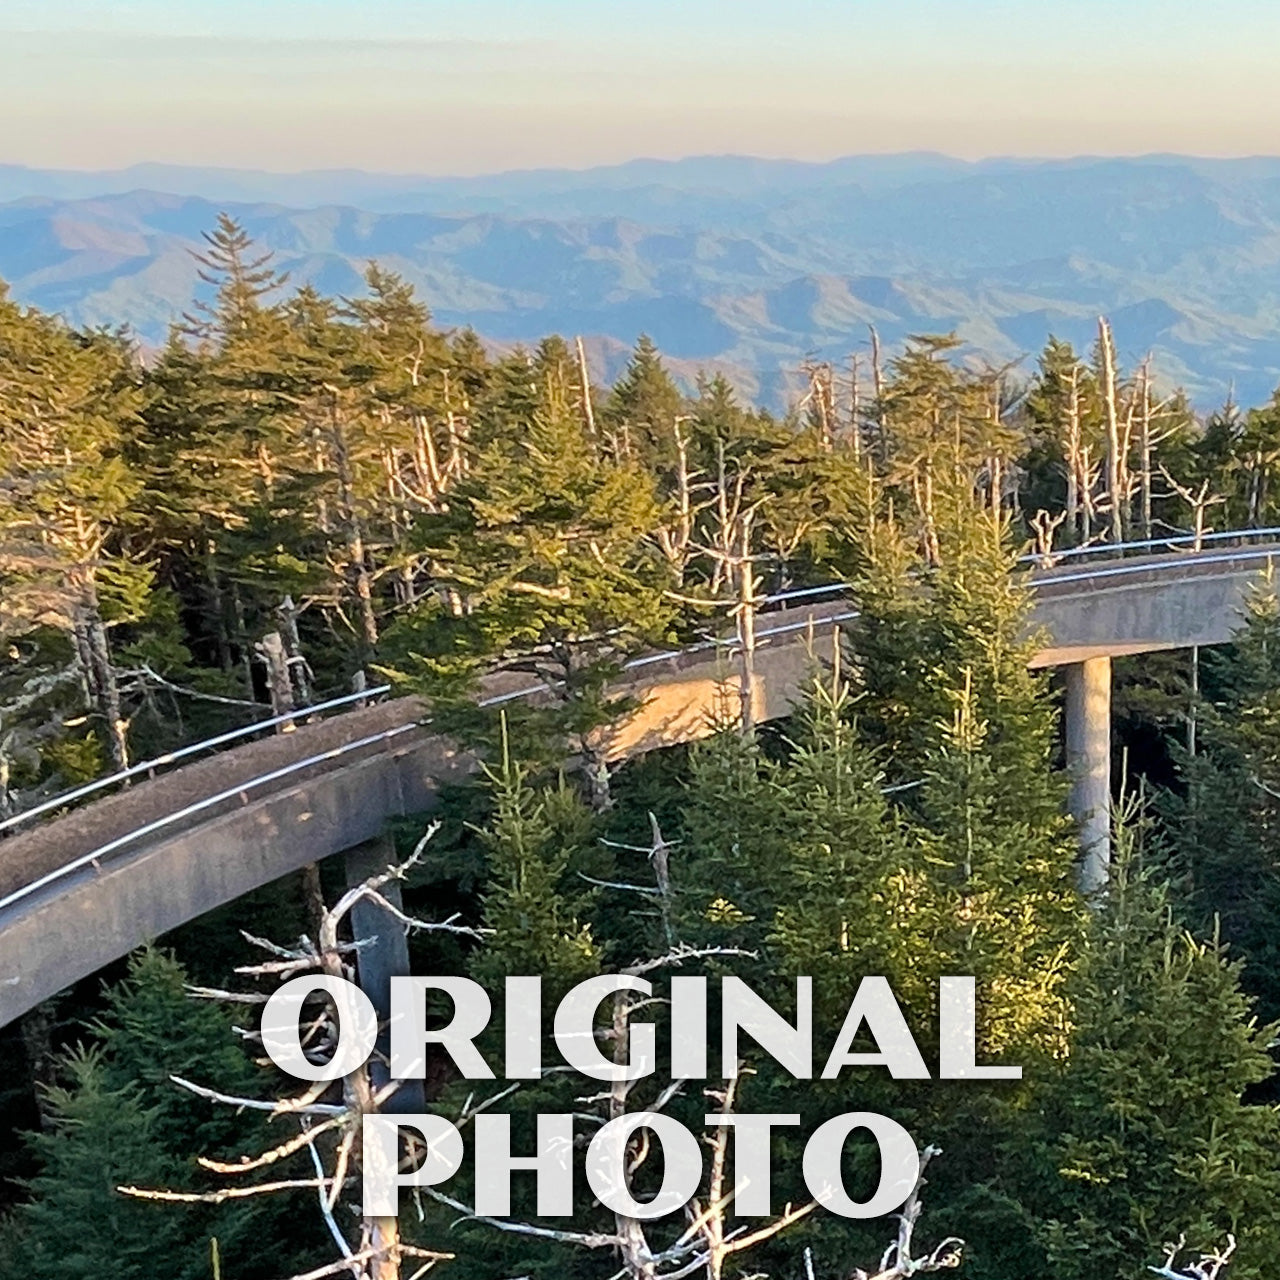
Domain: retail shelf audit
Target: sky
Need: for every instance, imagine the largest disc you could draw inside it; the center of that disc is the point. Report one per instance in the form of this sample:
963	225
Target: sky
477	86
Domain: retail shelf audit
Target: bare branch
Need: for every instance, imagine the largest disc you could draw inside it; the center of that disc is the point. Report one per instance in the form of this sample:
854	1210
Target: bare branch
287	1106
1209	1266
789	1215
587	1240
246	1164
229	997
326	1210
222	1195
682	953
897	1262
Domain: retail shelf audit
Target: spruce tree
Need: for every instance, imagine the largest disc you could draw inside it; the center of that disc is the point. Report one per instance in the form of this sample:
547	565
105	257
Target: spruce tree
1224	819
241	459
643	406
732	840
987	805
68	404
118	1119
76	1224
1148	1132
840	886
544	563
531	909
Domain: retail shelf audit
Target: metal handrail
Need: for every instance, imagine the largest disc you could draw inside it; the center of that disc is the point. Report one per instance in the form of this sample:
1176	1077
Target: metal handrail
784	597
91	859
827	588
1109	571
1101	548
94	857
181	753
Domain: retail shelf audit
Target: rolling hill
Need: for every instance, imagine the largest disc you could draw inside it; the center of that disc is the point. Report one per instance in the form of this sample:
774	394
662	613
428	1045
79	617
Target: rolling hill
747	266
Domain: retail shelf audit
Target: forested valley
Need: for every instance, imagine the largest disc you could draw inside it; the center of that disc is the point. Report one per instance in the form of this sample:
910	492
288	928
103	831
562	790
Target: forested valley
302	497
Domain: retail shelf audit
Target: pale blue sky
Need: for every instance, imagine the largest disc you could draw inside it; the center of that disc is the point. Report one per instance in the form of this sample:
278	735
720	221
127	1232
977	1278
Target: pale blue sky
478	85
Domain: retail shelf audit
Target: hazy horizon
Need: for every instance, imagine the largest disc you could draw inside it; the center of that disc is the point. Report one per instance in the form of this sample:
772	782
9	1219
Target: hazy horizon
438	88
1029	158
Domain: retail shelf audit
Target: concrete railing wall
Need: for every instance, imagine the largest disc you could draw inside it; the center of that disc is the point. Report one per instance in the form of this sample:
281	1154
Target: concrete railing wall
379	763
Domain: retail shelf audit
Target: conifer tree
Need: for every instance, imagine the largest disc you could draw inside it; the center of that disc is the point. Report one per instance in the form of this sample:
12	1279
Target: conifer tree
841	885
732	839
939	656
326	371
241	457
1065	433
1147	1128
151	1030
1094	429
68	404
643	406
1223	819
76	1225
117	1119
533	915
945	430
993	881
543	562
1238	452
409	398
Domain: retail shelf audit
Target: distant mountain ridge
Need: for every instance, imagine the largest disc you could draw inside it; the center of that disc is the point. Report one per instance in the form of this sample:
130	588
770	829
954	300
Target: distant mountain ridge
732	263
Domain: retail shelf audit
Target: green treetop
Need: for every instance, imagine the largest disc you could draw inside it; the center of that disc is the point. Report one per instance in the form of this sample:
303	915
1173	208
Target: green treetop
1147	1127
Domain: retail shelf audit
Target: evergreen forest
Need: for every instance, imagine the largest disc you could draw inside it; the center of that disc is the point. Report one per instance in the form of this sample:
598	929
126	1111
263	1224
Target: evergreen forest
301	497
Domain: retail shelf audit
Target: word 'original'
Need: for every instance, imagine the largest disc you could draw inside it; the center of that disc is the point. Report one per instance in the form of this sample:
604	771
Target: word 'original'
874	1019
873	1011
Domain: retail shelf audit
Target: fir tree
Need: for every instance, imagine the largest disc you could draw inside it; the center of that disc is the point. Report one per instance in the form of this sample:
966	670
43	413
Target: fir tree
119	1120
543	562
840	887
643	406
532	914
732	840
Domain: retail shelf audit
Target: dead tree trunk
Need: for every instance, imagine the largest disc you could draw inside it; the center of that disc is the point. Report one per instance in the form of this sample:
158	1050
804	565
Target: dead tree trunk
1145	445
1115	454
299	669
100	675
1199	500
353	528
877	383
855	407
676	543
923	483
748	604
275	658
1075	467
584	383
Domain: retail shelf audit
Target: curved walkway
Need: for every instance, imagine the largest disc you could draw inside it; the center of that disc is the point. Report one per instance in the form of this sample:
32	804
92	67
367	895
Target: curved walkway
84	889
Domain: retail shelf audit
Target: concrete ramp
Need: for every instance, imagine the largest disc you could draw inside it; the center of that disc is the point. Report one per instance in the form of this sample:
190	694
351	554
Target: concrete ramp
173	848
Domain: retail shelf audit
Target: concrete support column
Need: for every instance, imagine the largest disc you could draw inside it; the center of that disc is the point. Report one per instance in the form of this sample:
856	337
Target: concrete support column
1088	726
385	956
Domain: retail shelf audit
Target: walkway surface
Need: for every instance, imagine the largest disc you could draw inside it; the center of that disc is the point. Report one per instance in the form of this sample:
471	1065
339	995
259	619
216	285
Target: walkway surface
169	849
